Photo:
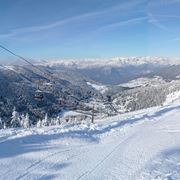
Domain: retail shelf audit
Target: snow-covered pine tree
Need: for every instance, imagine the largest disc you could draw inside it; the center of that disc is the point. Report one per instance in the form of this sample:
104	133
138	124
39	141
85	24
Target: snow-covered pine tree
15	119
39	123
1	123
4	125
22	118
52	122
26	121
58	121
45	121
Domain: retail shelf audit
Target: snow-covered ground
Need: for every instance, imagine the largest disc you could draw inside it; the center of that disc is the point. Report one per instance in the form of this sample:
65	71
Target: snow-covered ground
144	82
100	88
172	97
138	145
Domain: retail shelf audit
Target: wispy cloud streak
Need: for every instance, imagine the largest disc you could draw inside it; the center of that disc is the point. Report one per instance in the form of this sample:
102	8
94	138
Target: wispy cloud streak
155	22
166	16
120	7
122	24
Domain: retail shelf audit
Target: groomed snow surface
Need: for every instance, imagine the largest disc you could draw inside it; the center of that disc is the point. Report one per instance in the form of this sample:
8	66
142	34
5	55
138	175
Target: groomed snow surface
139	145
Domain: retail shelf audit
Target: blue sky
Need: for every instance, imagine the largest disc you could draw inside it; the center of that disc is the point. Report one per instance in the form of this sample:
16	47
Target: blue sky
90	28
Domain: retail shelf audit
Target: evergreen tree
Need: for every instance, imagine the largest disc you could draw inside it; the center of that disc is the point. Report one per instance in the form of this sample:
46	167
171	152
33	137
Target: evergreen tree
45	121
58	121
53	121
4	125
22	118
26	121
39	124
1	123
15	119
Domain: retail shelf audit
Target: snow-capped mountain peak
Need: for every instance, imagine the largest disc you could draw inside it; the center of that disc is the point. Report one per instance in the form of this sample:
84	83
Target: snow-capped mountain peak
117	61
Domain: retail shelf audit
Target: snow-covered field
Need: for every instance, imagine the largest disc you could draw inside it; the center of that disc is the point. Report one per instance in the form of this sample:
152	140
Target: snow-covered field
101	88
138	145
144	82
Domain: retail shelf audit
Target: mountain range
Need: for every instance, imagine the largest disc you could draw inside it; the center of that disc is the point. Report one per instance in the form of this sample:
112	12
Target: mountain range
79	82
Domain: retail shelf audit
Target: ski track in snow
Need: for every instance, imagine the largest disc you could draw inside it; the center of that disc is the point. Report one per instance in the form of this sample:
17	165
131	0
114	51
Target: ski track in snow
138	145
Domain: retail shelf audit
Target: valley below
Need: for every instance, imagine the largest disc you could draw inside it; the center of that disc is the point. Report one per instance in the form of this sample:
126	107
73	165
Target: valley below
115	119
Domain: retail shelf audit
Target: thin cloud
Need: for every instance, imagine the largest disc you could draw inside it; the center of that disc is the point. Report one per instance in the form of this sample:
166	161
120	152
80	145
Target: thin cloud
122	24
121	6
167	16
155	22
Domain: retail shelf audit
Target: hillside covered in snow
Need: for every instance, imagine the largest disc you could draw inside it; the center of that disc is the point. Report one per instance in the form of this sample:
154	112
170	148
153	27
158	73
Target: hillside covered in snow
138	145
97	120
90	90
116	85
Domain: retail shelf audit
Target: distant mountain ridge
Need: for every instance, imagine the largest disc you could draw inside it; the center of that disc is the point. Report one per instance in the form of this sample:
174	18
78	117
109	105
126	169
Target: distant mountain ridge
80	82
119	70
114	62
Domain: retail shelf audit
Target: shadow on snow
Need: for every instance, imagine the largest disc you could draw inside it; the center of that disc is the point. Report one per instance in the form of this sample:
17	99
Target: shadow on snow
33	143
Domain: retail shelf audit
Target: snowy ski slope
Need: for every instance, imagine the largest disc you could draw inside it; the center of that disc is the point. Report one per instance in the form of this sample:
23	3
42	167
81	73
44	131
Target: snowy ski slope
139	145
